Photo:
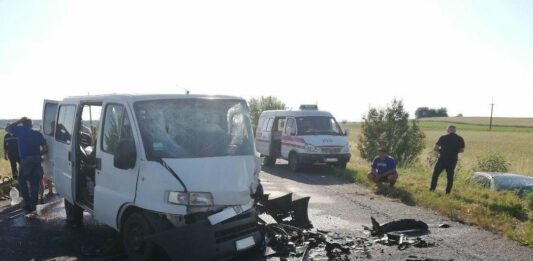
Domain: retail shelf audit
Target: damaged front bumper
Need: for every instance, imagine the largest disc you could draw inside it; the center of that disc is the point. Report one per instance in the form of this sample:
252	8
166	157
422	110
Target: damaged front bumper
204	241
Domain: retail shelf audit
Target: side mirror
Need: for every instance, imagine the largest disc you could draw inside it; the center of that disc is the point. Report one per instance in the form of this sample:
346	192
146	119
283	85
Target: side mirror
346	132
125	155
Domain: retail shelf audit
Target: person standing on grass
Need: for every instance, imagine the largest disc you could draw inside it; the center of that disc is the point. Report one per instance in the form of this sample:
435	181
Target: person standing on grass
383	168
448	146
11	153
31	171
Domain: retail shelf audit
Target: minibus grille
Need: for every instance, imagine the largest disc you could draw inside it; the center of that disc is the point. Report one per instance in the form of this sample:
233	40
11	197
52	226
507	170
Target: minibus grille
236	227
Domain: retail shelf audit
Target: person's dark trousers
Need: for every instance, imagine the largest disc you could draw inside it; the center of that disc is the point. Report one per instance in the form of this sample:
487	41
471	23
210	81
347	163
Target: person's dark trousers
14	160
449	166
31	173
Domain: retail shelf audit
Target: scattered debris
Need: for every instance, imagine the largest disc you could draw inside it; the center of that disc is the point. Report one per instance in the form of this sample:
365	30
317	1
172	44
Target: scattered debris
407	225
292	236
415	258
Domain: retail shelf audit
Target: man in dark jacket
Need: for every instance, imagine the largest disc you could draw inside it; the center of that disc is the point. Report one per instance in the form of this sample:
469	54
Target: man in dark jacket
448	146
11	153
31	147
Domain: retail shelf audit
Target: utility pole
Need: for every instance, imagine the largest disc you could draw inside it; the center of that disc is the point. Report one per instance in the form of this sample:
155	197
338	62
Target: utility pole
186	90
491	112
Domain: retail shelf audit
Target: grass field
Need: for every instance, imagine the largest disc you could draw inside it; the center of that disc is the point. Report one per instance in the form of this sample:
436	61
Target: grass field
501	212
496	121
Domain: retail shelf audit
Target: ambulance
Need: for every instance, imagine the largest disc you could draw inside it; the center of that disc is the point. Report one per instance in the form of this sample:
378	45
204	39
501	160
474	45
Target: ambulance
302	137
171	172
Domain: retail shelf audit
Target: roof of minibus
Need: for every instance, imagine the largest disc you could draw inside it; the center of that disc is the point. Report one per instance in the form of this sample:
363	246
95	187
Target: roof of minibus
144	97
299	113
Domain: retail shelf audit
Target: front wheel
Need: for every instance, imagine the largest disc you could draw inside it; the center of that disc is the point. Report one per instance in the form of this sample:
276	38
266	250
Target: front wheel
136	229
294	162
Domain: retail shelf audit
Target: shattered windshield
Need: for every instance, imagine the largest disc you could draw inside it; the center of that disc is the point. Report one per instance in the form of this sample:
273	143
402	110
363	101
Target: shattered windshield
318	125
194	128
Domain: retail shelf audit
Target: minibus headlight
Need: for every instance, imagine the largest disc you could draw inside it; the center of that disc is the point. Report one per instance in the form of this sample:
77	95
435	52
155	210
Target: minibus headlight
311	148
190	198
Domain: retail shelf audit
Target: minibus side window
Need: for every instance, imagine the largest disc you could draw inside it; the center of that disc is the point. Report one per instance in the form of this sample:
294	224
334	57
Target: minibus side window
49	122
111	130
65	123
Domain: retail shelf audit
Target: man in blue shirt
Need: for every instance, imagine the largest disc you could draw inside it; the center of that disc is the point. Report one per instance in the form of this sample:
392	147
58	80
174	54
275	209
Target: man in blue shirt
11	153
383	169
31	171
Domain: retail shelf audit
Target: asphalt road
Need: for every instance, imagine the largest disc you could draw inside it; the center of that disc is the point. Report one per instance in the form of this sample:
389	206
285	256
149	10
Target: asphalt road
335	205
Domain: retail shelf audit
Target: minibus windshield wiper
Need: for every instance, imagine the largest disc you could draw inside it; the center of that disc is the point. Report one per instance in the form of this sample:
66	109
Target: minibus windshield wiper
166	166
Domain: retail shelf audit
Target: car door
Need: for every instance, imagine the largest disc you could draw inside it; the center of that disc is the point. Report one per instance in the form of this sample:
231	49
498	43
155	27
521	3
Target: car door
290	131
114	187
49	125
62	150
263	136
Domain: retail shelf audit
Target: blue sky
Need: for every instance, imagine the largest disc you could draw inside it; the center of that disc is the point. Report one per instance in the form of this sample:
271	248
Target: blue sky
345	55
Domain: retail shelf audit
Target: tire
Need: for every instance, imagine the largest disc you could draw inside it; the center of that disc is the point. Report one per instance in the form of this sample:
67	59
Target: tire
135	229
269	161
74	214
294	162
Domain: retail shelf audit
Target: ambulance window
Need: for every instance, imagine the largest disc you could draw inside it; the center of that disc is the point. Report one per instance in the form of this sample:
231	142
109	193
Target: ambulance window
281	124
270	123
260	124
291	127
265	124
65	123
111	130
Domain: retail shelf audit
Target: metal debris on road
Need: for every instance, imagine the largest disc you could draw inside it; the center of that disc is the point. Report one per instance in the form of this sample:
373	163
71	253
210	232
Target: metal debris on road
416	258
293	238
407	225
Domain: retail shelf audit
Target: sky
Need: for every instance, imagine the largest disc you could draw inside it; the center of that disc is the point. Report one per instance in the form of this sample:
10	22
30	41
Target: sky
346	56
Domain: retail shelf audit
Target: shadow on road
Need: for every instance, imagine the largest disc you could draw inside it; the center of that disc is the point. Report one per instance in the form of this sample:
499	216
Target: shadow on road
324	175
396	193
44	235
320	175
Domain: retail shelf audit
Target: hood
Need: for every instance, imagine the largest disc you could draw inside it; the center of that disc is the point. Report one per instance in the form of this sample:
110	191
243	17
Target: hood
228	178
326	140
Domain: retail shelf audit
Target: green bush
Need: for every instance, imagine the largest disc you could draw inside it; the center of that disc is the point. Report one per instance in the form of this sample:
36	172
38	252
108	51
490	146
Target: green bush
492	162
392	129
263	103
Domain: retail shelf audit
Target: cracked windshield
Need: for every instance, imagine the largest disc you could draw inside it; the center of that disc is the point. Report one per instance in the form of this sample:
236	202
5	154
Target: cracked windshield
194	128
